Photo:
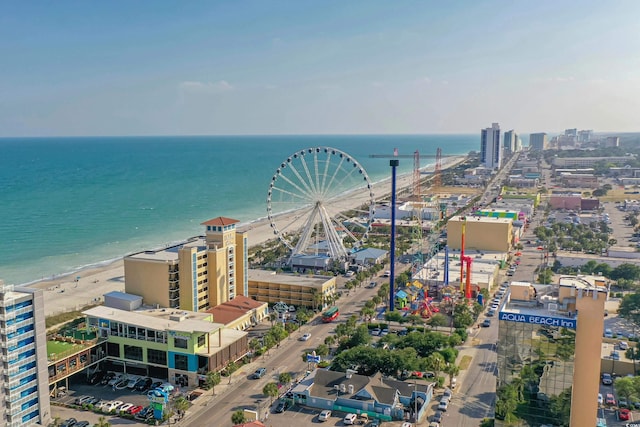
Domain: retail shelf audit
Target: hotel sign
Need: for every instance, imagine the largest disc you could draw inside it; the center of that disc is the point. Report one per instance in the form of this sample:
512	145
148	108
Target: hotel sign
539	320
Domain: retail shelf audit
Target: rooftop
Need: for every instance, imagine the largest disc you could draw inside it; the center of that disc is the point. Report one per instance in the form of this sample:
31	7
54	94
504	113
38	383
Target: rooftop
483	219
221	221
232	310
170	253
269	276
159	319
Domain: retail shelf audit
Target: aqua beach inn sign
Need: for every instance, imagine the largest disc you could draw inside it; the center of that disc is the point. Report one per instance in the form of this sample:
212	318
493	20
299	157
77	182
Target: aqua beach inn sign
538	320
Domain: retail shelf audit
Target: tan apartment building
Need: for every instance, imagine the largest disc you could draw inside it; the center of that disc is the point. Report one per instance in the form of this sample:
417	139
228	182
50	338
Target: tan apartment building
549	346
196	275
292	289
481	233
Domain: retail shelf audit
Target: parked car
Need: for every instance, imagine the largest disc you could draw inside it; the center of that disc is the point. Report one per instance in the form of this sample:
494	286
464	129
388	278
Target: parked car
69	422
155	385
447	394
624	414
305	337
600	399
324	415
259	373
486	323
623	345
437	417
491	313
606	379
376	331
615	355
135	409
349	419
144	413
622	402
282	406
144	384
107	377
82	399
608	333
610	399
372	285
125	407
443	405
112	406
81	424
384	332
375	423
131	384
116	379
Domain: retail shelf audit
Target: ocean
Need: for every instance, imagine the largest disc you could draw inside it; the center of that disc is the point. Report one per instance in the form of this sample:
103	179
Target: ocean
71	203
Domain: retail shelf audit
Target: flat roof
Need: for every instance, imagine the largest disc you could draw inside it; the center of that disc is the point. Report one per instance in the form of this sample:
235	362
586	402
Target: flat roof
157	319
170	253
477	218
287	279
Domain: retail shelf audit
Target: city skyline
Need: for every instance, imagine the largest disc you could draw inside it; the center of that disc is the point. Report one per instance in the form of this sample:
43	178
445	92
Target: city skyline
79	69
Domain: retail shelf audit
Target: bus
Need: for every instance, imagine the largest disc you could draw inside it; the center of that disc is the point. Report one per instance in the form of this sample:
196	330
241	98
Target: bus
330	315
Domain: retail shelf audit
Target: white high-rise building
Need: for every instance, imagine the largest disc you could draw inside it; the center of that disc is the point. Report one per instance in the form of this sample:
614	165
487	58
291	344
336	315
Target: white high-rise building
23	369
490	148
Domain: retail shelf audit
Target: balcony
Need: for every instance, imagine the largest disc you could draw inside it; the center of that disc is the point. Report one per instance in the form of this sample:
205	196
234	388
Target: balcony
9	343
8	315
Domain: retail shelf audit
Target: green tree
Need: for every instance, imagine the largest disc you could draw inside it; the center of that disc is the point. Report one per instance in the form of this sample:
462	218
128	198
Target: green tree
452	370
278	333
181	404
437	320
322	350
238	417
102	422
626	271
625	387
269	341
270	390
436	363
284	378
393	316
367	313
377	300
211	380
330	340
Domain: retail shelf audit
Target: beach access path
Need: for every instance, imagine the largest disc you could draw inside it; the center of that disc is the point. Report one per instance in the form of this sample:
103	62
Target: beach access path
71	292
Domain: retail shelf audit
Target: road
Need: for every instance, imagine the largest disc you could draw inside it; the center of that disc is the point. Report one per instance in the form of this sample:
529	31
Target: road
247	393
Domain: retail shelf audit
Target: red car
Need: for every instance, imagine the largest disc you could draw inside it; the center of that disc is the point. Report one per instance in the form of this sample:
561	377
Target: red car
135	409
609	399
624	414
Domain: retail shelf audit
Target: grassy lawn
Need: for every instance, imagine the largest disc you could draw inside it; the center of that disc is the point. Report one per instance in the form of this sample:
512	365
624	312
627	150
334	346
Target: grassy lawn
465	362
58	347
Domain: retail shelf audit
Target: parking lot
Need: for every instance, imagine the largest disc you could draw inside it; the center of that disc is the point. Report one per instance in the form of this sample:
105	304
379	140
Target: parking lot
78	388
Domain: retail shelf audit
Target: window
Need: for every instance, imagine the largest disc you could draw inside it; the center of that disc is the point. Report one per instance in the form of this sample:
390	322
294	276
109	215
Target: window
201	340
157	356
181	362
132	352
113	349
180	342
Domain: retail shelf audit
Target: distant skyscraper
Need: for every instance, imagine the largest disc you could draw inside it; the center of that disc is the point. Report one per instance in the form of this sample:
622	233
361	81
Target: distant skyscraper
510	142
585	135
571	132
490	148
538	141
25	388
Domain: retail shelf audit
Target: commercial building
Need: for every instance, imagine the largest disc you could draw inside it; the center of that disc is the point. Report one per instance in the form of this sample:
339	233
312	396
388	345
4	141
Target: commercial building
589	162
481	233
573	201
292	289
195	275
490	147
240	313
538	141
549	346
23	368
181	346
375	396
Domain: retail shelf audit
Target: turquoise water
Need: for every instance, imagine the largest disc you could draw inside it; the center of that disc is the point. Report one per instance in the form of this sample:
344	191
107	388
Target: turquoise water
67	203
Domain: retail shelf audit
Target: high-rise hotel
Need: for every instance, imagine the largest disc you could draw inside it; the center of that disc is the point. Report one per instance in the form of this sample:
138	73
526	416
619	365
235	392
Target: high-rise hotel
23	350
549	346
490	147
196	275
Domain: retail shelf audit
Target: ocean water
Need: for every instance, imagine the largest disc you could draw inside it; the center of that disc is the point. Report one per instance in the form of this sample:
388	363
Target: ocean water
69	203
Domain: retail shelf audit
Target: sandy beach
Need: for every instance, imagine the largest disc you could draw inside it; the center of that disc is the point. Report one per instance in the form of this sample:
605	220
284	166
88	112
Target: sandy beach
77	290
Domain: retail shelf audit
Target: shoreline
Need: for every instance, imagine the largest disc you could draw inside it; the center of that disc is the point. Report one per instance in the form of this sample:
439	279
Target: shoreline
75	289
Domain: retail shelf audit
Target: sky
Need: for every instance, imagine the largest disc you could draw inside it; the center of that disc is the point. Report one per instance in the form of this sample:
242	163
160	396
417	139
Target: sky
79	68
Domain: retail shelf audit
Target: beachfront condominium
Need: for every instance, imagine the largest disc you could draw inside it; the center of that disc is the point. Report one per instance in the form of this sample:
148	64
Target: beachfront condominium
25	391
490	148
510	142
549	347
196	275
538	141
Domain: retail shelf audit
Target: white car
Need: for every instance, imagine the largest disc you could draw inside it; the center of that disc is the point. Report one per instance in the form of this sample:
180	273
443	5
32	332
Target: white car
324	415
600	399
443	405
112	406
305	337
623	345
132	382
113	381
125	407
349	419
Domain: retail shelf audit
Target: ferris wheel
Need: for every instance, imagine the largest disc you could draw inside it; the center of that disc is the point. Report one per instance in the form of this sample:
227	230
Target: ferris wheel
320	202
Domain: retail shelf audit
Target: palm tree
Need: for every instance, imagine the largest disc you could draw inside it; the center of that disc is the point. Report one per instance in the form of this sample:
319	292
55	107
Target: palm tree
102	422
284	378
436	363
452	370
181	405
271	390
212	380
238	418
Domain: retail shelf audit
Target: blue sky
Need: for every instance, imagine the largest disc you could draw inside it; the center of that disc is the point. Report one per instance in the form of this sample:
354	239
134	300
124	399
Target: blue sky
317	67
